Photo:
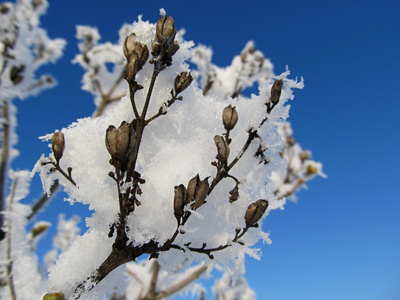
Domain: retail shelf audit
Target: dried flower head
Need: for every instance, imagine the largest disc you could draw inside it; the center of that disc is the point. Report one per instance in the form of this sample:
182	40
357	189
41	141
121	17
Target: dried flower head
182	81
137	55
276	91
230	117
118	140
165	30
222	148
58	145
180	200
197	191
255	211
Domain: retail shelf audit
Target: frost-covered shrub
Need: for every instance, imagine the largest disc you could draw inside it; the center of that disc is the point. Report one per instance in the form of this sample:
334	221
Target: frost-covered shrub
174	170
177	164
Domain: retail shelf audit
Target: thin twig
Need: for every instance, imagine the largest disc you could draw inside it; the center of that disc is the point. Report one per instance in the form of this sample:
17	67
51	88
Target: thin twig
4	162
10	277
153	283
180	285
43	199
149	92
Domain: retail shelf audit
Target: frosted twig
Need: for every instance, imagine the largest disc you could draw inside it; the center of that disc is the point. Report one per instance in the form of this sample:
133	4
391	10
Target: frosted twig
4	163
180	285
43	199
152	289
13	294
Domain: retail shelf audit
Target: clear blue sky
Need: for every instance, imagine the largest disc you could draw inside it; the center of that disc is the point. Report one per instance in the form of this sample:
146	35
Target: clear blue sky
342	239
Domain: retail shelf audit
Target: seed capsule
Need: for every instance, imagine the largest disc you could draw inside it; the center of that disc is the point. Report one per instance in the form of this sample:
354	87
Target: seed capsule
117	140
182	81
255	211
180	200
129	45
230	117
197	191
58	145
276	91
165	30
137	55
222	148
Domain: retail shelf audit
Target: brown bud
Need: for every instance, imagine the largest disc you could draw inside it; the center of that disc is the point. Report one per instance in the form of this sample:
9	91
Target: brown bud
305	155
4	8
276	91
118	140
182	81
234	194
255	211
173	48
180	200
197	191
58	145
37	3
222	148
138	55
291	141
165	30
230	117
129	45
155	49
16	74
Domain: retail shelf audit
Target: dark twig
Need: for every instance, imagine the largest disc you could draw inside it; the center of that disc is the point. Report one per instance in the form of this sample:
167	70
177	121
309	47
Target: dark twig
4	163
10	277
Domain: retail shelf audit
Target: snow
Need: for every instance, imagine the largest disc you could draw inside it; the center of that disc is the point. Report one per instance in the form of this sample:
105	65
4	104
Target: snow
174	148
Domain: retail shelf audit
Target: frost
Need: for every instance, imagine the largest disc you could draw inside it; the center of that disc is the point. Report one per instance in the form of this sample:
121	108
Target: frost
166	172
174	148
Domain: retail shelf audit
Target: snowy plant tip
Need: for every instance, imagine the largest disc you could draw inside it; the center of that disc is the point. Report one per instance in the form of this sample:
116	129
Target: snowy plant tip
177	180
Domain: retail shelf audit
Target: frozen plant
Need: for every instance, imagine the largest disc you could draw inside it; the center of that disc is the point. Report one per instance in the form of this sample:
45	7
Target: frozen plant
172	171
24	48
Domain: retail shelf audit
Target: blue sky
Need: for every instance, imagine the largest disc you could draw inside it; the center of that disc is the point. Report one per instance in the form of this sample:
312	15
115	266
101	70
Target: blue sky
342	239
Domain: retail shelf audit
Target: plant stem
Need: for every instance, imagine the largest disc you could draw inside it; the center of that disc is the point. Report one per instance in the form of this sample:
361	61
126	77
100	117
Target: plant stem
4	162
13	295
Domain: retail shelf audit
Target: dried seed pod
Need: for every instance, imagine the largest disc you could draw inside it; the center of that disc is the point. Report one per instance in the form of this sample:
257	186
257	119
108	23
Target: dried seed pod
155	49
234	194
118	140
191	190
305	155
222	148
291	141
276	91
255	211
138	55
197	191
179	201
129	45
16	74
165	30
201	193
182	81
58	145
230	117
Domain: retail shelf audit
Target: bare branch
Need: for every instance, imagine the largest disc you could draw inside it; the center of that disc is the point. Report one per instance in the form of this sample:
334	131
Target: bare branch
4	162
10	278
180	285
